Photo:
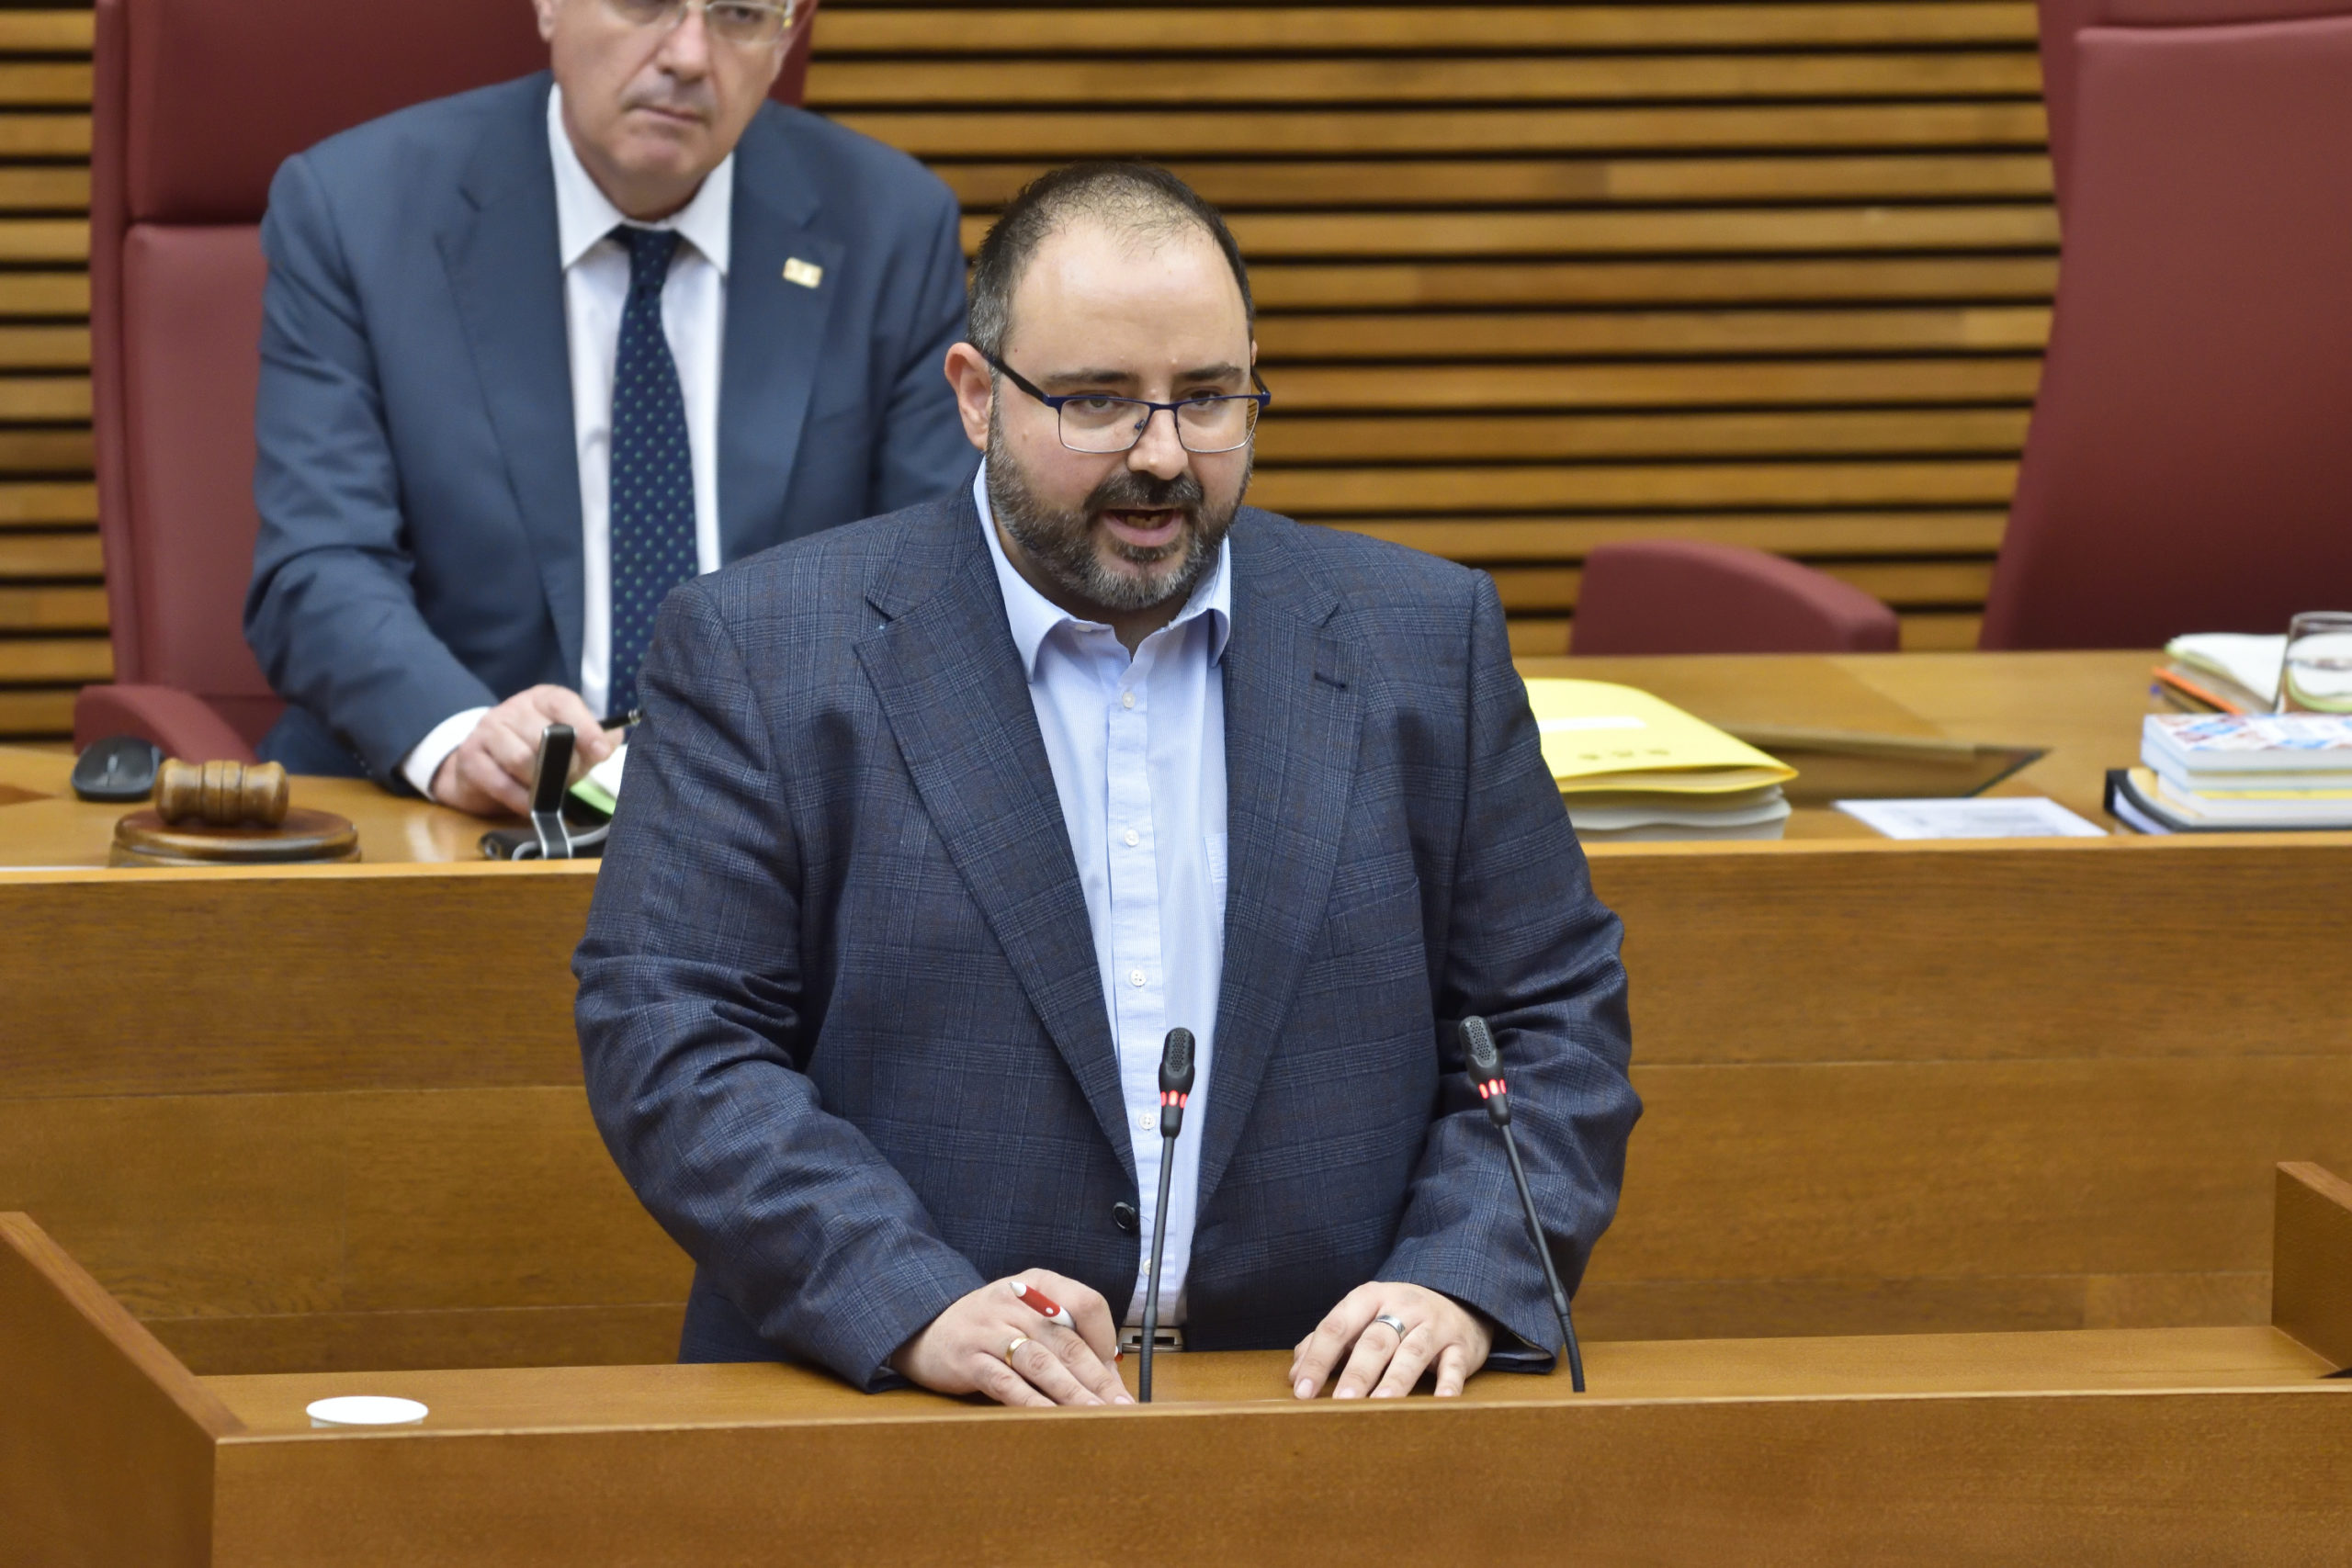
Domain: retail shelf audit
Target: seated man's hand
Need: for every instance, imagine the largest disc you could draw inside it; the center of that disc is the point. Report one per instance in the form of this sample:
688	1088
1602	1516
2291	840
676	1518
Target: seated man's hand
964	1350
1386	1362
490	772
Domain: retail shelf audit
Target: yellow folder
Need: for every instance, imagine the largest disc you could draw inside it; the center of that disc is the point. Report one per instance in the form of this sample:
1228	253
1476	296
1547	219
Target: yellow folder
1599	736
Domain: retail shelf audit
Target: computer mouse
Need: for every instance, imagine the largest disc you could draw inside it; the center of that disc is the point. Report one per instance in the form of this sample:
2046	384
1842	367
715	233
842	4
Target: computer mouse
118	770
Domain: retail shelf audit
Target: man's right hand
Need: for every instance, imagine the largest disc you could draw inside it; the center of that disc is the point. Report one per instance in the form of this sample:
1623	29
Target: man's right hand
963	1350
490	772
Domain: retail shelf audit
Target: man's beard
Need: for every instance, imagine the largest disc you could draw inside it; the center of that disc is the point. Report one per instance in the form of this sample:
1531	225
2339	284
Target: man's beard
1062	542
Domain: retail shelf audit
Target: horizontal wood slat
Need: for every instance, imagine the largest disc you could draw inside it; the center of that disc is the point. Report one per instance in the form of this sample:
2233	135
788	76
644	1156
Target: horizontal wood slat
63	86
1713	334
53	609
44	136
44	505
1424	436
1177	132
1531	276
1230	28
58	658
1457	182
1536	591
1733	385
1763	230
34	711
1617	486
1499	79
1712	281
45	32
1486	542
44	294
49	556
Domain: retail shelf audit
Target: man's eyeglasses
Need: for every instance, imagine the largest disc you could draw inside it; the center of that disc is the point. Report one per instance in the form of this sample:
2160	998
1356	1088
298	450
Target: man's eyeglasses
1205	423
742	24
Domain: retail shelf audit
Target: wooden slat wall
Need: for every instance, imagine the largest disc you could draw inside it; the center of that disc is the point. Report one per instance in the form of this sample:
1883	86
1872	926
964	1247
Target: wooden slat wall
1532	276
52	598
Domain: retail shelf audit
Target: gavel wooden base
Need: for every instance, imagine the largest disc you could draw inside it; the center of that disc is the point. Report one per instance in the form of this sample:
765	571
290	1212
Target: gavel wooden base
2126	1446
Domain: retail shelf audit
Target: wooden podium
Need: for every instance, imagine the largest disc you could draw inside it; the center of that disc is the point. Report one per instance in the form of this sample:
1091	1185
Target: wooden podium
2087	1447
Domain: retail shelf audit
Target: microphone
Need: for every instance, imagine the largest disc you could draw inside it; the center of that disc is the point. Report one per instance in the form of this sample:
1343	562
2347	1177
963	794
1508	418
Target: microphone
1175	1090
1486	1069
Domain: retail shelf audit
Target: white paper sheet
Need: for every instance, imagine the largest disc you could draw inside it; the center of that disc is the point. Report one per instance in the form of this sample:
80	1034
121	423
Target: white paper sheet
1985	817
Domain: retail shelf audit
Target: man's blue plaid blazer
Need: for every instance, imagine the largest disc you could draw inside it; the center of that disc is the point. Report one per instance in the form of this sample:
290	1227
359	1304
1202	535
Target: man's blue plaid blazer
839	1002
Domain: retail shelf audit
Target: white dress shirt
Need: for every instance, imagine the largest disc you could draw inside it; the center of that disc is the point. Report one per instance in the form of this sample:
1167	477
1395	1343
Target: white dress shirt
694	318
1137	750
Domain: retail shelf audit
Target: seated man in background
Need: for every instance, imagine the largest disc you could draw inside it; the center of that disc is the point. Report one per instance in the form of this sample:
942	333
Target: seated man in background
938	823
534	355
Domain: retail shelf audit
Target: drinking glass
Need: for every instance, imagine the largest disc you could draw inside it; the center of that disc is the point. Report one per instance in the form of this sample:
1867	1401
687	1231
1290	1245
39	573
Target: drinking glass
2316	675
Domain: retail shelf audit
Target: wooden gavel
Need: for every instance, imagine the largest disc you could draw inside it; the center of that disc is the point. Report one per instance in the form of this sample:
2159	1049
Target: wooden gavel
221	794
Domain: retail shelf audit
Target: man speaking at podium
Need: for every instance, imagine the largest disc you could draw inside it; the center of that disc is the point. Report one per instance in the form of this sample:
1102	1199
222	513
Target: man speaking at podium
940	822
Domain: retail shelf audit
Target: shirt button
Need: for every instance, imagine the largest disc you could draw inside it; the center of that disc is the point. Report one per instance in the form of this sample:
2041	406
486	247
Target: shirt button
1134	837
1124	1216
1146	1120
1134	977
1127	699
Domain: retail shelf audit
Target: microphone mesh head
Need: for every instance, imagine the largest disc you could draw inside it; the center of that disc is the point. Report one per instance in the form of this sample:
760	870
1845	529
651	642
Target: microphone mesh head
1176	1063
1478	1048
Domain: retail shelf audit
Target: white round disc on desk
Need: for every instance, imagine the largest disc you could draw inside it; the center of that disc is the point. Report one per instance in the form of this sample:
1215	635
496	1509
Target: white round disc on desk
364	1410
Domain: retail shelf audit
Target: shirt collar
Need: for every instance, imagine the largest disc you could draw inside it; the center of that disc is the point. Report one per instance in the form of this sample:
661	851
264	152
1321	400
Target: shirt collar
1034	616
583	214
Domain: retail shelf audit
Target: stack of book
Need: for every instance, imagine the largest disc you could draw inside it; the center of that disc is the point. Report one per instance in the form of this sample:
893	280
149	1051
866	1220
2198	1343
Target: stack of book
2243	772
1630	767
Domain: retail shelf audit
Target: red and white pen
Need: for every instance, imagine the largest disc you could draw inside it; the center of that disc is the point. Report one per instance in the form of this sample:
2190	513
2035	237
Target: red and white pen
1044	1306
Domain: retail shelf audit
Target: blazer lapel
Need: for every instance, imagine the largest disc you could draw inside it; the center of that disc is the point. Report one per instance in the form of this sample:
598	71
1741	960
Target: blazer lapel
1291	719
774	339
949	679
505	269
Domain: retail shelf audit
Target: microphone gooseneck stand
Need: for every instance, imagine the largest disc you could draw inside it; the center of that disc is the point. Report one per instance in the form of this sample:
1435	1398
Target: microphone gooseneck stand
1486	1071
1175	1090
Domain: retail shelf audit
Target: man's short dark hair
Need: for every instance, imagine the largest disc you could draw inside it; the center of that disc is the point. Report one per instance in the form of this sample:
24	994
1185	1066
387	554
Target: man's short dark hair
1134	197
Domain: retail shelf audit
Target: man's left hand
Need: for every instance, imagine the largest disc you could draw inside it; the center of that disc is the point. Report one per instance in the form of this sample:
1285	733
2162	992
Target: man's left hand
1439	1331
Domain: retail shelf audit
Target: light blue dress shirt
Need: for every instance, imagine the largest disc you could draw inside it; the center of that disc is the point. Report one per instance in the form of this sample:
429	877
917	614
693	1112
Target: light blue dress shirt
1138	749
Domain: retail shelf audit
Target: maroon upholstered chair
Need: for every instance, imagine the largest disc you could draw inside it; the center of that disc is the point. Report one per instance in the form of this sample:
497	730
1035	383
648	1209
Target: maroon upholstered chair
2062	19
196	104
1683	596
2188	468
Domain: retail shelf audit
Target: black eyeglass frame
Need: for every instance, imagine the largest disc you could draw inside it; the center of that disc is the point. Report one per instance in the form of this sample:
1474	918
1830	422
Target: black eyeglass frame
1262	397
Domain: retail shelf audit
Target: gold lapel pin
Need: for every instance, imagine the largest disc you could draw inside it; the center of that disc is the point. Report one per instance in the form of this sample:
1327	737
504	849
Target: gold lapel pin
806	274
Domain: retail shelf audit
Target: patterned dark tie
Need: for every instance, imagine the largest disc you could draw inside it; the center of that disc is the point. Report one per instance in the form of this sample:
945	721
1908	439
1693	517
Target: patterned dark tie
652	496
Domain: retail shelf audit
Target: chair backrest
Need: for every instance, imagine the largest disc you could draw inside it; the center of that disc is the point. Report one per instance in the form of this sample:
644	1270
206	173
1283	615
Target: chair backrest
1689	596
2188	468
2062	19
195	104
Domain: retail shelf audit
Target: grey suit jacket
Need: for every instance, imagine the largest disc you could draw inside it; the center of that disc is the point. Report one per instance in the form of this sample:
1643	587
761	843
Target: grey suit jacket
839	1004
418	483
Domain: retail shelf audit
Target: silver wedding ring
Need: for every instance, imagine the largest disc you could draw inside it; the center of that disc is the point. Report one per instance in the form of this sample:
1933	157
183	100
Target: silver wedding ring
1393	1321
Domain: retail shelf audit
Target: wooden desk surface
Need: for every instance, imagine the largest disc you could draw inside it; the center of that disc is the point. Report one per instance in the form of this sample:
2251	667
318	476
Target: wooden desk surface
574	1398
55	829
2085	708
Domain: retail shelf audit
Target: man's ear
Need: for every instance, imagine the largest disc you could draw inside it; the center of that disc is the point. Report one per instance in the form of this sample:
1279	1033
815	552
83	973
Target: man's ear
975	386
547	10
